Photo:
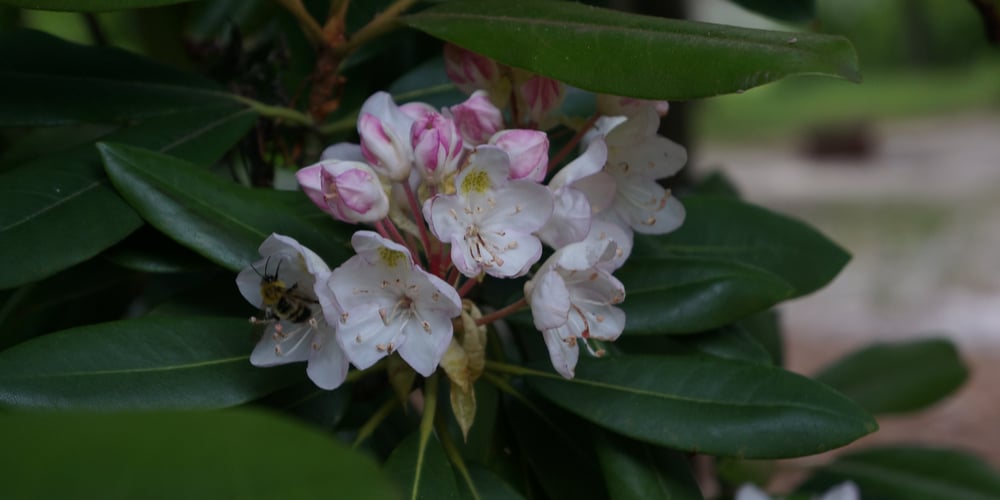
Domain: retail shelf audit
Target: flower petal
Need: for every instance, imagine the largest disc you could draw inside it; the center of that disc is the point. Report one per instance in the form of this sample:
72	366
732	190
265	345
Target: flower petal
562	350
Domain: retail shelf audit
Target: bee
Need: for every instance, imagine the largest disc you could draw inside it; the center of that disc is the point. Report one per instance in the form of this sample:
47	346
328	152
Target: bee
281	301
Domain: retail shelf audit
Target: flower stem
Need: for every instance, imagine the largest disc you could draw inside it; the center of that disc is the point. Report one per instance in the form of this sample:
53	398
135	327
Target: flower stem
382	23
561	155
279	112
427	420
509	369
453	455
312	29
501	313
467	286
377	418
382	231
425	239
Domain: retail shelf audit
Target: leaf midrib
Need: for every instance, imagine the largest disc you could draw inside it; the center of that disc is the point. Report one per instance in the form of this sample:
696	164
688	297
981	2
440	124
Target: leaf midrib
132	371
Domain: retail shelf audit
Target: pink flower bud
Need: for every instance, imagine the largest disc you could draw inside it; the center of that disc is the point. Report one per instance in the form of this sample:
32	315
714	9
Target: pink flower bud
437	145
384	148
477	118
528	151
612	105
350	191
469	71
541	95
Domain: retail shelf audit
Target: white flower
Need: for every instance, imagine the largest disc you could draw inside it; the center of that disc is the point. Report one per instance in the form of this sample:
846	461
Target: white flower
384	303
580	189
490	219
281	283
384	128
572	298
843	491
637	157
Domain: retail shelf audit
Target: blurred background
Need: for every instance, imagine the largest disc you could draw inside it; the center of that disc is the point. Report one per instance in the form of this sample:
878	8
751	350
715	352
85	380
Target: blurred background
902	170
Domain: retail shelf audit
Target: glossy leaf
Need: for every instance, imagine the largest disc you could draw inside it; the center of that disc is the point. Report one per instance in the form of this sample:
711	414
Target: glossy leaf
75	196
765	328
637	470
898	377
142	363
729	229
48	81
619	53
709	405
422	476
728	342
911	473
218	219
232	454
679	294
304	400
786	10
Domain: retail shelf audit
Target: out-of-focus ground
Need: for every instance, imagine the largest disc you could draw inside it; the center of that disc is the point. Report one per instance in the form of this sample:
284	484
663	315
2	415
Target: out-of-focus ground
921	215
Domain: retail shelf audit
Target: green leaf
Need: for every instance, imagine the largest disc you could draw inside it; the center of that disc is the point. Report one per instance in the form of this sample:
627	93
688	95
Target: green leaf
898	377
638	470
798	11
140	363
557	450
231	454
489	486
911	473
729	229
708	405
47	81
304	400
728	342
765	328
422	476
218	219
618	53
679	294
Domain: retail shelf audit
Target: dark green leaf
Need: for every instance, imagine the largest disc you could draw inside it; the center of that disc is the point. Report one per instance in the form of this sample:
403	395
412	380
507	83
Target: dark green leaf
635	470
765	328
232	454
799	11
899	377
716	183
218	219
729	229
422	474
677	294
709	405
317	406
427	83
626	54
61	209
729	342
141	363
149	251
557	451
48	81
911	473
489	486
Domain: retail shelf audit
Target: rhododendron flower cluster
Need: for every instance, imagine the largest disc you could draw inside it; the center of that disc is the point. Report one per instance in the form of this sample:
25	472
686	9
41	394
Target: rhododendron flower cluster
449	200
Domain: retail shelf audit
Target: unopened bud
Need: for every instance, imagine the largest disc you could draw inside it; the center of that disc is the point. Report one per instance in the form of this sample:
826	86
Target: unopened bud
437	145
541	95
468	70
477	118
528	151
349	191
612	105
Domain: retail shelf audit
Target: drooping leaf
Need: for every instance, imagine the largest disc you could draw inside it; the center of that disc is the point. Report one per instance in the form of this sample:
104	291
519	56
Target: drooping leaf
232	454
799	11
709	405
619	53
911	473
47	81
638	470
422	476
679	294
146	363
765	328
729	229
220	220
898	377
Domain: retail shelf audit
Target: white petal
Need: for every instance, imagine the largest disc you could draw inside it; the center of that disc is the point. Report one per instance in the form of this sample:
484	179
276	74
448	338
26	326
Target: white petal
655	157
368	245
750	492
590	162
381	105
288	347
843	491
600	189
570	220
279	244
445	301
423	348
549	299
365	338
630	132
585	254
562	350
328	364
523	205
343	151
447	218
509	255
608	226
248	281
